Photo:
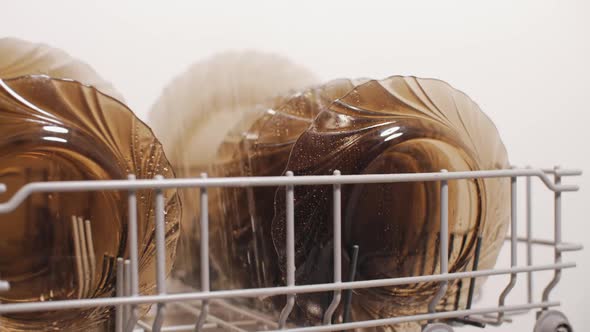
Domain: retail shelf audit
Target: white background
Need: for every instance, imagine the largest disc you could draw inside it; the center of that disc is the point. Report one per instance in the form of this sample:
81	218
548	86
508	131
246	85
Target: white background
525	63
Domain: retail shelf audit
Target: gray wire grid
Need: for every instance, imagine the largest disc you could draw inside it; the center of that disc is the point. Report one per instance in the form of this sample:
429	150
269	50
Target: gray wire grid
204	305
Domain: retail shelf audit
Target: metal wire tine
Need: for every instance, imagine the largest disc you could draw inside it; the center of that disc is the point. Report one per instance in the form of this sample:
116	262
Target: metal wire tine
132	238
557	237
90	252
424	258
337	251
451	245
120	292
159	319
84	254
126	289
463	242
443	243
474	268
561	172
513	247
461	248
529	236
205	287
458	294
133	253
348	292
451	248
436	263
130	312
132	320
78	258
160	256
290	208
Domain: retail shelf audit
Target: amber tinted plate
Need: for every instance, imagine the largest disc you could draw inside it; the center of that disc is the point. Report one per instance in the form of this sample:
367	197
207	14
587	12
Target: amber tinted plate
20	58
193	117
50	130
260	145
397	125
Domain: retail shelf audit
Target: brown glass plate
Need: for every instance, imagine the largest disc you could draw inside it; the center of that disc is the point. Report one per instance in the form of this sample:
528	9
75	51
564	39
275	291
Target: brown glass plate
60	130
396	125
19	58
194	116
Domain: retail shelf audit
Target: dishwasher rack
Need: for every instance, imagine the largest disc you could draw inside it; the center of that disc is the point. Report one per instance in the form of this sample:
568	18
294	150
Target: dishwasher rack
202	304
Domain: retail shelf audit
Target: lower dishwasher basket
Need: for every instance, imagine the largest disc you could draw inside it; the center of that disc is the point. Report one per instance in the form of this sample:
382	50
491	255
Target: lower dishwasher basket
211	311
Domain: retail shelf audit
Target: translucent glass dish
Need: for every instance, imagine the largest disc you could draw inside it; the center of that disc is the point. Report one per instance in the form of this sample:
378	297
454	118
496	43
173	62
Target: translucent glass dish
61	130
19	58
196	111
396	125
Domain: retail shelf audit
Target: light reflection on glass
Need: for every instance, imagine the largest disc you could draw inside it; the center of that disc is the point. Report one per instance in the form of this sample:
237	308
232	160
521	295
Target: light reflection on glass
389	131
393	136
56	129
55	139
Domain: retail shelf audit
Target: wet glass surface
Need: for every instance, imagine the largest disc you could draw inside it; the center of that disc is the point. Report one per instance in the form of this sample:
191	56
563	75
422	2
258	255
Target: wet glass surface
396	125
61	130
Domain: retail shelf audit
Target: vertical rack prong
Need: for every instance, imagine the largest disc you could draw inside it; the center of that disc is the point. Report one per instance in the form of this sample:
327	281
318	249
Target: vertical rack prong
160	256
132	237
290	209
451	244
529	237
337	250
78	254
474	268
513	246
557	237
348	293
205	287
451	249
129	313
458	294
90	251
120	292
443	243
133	252
84	255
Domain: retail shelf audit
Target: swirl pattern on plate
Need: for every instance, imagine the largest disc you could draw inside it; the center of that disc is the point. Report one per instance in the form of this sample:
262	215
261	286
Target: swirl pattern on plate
54	129
396	125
